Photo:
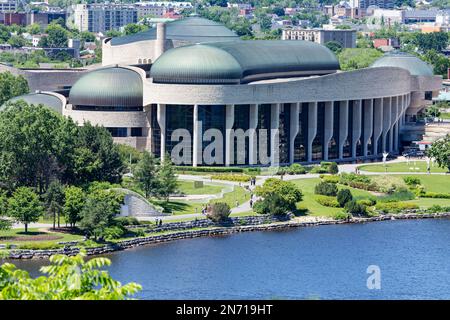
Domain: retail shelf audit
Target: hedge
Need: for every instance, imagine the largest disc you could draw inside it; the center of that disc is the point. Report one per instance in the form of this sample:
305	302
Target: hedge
395	207
232	177
435	195
327	201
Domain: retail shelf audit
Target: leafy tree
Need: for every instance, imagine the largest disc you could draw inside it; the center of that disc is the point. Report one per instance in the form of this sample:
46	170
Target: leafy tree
333	168
57	37
17	41
4	223
11	86
440	150
355	208
334	46
24	206
273	204
113	33
357	58
67	278
344	196
432	112
34	28
440	62
54	200
167	180
288	191
99	211
219	211
145	175
133	28
326	189
73	205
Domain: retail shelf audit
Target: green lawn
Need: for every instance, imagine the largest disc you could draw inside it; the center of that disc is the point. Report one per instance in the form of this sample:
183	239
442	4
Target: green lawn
188	187
401	167
445	115
428	202
433	183
313	207
33	236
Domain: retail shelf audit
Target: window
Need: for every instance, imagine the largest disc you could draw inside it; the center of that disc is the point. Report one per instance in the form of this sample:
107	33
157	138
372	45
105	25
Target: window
428	95
118	132
136	132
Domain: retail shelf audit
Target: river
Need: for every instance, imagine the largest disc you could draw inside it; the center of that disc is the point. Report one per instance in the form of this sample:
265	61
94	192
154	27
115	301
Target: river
326	262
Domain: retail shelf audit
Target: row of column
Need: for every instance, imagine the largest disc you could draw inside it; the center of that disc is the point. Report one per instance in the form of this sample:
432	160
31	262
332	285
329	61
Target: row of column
382	117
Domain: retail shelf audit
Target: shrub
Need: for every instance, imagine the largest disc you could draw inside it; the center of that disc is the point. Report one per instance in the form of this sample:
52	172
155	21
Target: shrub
40	246
435	195
114	232
344	196
333	168
317	169
411	181
327	201
355	208
220	211
209	169
389	184
127	221
357	181
285	189
395	207
296	168
366	202
401	194
326	189
340	216
232	177
273	204
261	207
139	232
329	179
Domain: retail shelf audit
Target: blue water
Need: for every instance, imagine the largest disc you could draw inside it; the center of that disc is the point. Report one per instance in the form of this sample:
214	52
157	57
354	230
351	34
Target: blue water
327	262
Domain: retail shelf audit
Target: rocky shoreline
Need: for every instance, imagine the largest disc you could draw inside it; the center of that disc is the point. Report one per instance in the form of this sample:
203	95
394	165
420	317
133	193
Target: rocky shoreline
216	231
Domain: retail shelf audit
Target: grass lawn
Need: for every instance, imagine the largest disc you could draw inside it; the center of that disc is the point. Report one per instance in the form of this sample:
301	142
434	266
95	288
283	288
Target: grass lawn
188	207
434	183
35	235
316	209
445	115
187	187
401	167
428	202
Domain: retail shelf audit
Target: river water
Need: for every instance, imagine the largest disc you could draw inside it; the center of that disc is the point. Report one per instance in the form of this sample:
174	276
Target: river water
326	262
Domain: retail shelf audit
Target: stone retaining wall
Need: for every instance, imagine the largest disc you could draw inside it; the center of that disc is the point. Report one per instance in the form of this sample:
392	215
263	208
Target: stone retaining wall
220	231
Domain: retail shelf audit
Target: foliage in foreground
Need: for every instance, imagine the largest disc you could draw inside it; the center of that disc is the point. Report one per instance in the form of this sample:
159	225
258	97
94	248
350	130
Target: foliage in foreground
440	150
67	278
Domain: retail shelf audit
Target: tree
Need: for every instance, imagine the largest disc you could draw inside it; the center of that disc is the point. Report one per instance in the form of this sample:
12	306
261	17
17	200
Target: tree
4	223
219	211
145	175
133	28
17	41
73	205
273	204
99	211
24	206
167	180
344	196
440	150
333	168
357	58
68	278
11	86
433	111
34	28
288	191
334	46
355	208
57	37
326	189
54	200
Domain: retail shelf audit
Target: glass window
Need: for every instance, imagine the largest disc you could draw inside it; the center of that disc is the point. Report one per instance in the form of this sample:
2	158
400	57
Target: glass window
318	142
136	132
300	142
118	132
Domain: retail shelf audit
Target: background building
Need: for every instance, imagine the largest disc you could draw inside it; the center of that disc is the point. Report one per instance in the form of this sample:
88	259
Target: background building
347	38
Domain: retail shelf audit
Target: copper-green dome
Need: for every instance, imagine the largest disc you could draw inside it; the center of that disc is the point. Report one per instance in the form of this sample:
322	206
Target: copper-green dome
413	64
48	100
242	62
111	86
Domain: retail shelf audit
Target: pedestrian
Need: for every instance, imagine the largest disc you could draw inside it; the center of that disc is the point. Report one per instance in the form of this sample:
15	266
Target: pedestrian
237	203
251	203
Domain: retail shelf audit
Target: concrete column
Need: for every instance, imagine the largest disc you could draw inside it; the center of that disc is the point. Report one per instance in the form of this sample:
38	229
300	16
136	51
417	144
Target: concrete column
160	43
229	144
312	127
368	124
294	130
252	138
386	121
196	139
394	105
161	118
343	126
357	107
396	136
378	122
328	127
275	134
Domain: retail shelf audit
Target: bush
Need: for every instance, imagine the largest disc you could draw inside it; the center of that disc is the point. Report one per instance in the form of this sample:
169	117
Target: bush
296	168
139	232
232	177
366	202
273	204
114	232
358	181
436	208
209	169
411	181
389	184
340	216
399	195
395	207
220	211
326	189
317	169
355	208
344	196
435	195
333	168
329	179
127	221
327	201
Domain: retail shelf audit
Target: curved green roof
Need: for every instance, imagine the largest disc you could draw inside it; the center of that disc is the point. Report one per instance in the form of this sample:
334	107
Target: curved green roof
413	64
191	29
46	99
111	86
242	61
